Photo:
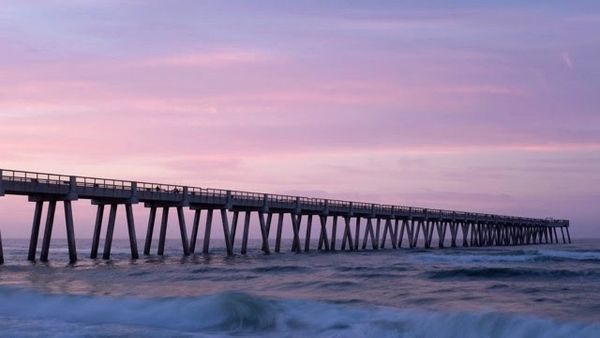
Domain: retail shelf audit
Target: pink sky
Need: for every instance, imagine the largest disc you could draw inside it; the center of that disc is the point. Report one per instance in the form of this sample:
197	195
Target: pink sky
471	106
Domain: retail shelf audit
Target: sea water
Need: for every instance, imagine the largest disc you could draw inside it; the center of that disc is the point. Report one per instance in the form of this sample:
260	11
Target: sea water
525	291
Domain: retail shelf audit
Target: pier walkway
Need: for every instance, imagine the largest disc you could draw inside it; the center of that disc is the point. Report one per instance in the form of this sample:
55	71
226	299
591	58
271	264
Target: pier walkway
383	224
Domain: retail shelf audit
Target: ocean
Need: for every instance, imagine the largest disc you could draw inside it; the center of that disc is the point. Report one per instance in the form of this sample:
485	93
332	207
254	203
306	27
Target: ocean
525	291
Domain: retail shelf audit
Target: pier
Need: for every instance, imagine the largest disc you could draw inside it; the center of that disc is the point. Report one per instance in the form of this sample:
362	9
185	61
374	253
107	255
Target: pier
362	225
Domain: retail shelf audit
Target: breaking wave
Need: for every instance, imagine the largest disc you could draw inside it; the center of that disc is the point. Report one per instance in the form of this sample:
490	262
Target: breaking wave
26	313
499	272
511	256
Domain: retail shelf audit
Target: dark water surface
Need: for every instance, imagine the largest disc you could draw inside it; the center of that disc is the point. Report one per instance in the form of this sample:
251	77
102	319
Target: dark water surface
527	291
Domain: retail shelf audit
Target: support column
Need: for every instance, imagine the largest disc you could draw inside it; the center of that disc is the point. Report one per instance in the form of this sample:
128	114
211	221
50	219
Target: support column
109	231
48	231
263	232
427	226
443	237
70	232
308	230
415	233
35	230
497	231
333	232
323	240
485	235
387	228
296	219
268	226
357	233
347	237
1	249
369	232
163	231
183	232
438	228
465	233
377	232
431	228
226	234
131	232
149	232
245	234
568	234
405	227
563	235
195	227
97	230
279	230
207	229
453	232
233	230
395	242
543	235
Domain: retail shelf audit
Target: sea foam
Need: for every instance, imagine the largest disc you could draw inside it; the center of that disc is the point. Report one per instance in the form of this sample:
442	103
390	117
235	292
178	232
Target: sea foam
29	313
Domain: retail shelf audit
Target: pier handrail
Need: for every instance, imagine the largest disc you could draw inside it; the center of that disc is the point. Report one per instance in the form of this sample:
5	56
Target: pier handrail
35	177
102	183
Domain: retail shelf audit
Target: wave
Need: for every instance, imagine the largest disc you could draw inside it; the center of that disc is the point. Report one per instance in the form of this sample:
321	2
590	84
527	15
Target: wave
571	255
510	256
234	314
501	272
281	269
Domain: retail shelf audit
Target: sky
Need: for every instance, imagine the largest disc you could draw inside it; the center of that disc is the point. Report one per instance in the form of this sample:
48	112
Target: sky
470	105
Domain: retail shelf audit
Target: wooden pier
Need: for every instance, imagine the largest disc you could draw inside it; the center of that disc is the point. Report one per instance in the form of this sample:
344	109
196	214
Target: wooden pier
383	224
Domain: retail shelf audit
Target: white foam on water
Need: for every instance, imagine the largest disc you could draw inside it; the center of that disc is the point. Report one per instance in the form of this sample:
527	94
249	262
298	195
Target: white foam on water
571	255
28	313
468	257
475	257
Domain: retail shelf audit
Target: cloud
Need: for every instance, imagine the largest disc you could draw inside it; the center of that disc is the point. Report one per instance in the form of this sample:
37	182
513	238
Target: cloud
207	59
391	104
566	59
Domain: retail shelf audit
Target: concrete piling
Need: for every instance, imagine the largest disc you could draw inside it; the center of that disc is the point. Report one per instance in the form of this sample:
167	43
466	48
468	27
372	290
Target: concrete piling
333	232
308	231
1	251
264	233
207	230
97	231
195	227
245	233
70	232
226	235
110	229
279	230
150	230
163	231
323	237
131	231
35	230
48	231
183	231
